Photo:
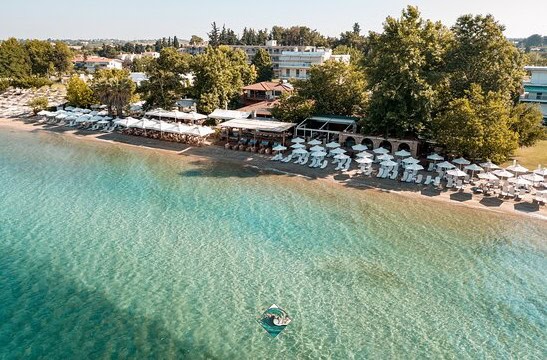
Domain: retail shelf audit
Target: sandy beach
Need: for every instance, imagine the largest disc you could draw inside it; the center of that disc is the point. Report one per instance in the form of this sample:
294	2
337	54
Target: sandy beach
262	163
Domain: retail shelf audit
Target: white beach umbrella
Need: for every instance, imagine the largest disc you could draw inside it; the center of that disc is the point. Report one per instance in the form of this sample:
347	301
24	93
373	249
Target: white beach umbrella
473	168
94	112
359	147
388	163
489	165
332	145
541	171
364	160
516	168
317	148
298	140
298	146
201	131
456	173
461	161
341	156
402	153
435	157
365	154
279	148
535	178
410	160
380	150
414	167
43	113
300	151
520	181
61	116
503	173
103	122
69	108
337	151
385	157
487	176
83	118
445	165
314	142
86	111
318	154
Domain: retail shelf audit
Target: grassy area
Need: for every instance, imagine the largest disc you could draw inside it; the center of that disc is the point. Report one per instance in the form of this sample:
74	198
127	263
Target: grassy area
530	157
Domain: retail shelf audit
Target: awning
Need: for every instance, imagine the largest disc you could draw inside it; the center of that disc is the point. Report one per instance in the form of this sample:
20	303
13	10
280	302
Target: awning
261	125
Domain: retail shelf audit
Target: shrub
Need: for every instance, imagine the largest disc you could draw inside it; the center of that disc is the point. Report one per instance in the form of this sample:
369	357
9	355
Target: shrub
38	104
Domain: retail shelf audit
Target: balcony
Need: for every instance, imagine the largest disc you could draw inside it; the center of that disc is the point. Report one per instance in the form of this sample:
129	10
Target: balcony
299	65
527	97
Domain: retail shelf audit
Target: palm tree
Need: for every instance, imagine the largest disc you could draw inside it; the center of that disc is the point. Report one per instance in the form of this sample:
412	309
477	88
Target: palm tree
113	88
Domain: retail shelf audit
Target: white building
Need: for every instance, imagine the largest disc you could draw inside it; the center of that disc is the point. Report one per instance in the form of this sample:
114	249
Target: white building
271	47
296	64
93	63
535	90
131	57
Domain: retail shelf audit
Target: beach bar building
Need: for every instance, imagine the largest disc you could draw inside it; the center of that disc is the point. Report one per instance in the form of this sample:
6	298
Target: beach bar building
257	129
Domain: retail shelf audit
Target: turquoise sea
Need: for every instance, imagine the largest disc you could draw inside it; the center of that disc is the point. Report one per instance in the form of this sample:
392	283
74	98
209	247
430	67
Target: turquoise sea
108	251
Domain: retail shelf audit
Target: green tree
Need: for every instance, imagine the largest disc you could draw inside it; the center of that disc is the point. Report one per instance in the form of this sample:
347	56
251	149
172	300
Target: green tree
78	93
38	104
220	73
263	64
14	60
405	71
61	57
293	108
353	38
527	122
336	88
41	56
165	84
113	88
477	126
482	55
176	43
356	55
535	40
196	40
214	35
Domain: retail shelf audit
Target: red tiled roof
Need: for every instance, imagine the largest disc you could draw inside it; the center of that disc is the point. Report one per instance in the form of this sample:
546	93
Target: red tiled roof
93	59
262	107
268	86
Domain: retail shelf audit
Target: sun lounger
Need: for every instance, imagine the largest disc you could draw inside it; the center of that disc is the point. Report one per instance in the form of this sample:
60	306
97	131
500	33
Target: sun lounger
431	167
325	163
419	179
460	185
368	172
288	158
394	175
450	183
277	157
346	165
380	173
304	160
504	191
511	192
428	180
313	162
405	176
437	181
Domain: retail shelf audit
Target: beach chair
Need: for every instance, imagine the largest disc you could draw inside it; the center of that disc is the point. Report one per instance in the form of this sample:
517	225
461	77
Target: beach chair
325	163
450	183
386	172
459	184
411	177
431	167
287	159
340	165
304	160
380	173
314	162
394	175
504	191
347	165
419	179
437	181
428	180
405	176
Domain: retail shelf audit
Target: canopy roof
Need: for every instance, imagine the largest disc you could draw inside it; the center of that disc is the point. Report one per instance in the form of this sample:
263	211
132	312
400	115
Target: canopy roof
261	125
176	115
228	114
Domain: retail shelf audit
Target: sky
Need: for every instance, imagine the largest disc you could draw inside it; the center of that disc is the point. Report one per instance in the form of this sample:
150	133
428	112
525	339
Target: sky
151	19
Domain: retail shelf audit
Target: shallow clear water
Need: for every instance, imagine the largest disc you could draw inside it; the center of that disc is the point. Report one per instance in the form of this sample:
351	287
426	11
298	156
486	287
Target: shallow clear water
107	251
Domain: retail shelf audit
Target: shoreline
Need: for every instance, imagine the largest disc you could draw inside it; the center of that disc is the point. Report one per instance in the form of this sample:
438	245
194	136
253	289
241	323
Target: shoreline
262	163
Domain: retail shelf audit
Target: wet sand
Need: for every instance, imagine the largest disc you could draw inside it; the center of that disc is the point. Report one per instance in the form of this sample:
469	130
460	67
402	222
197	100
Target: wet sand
263	163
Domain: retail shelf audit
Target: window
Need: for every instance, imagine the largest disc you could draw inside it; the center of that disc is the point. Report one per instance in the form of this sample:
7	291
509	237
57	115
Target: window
287	72
538	96
297	72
